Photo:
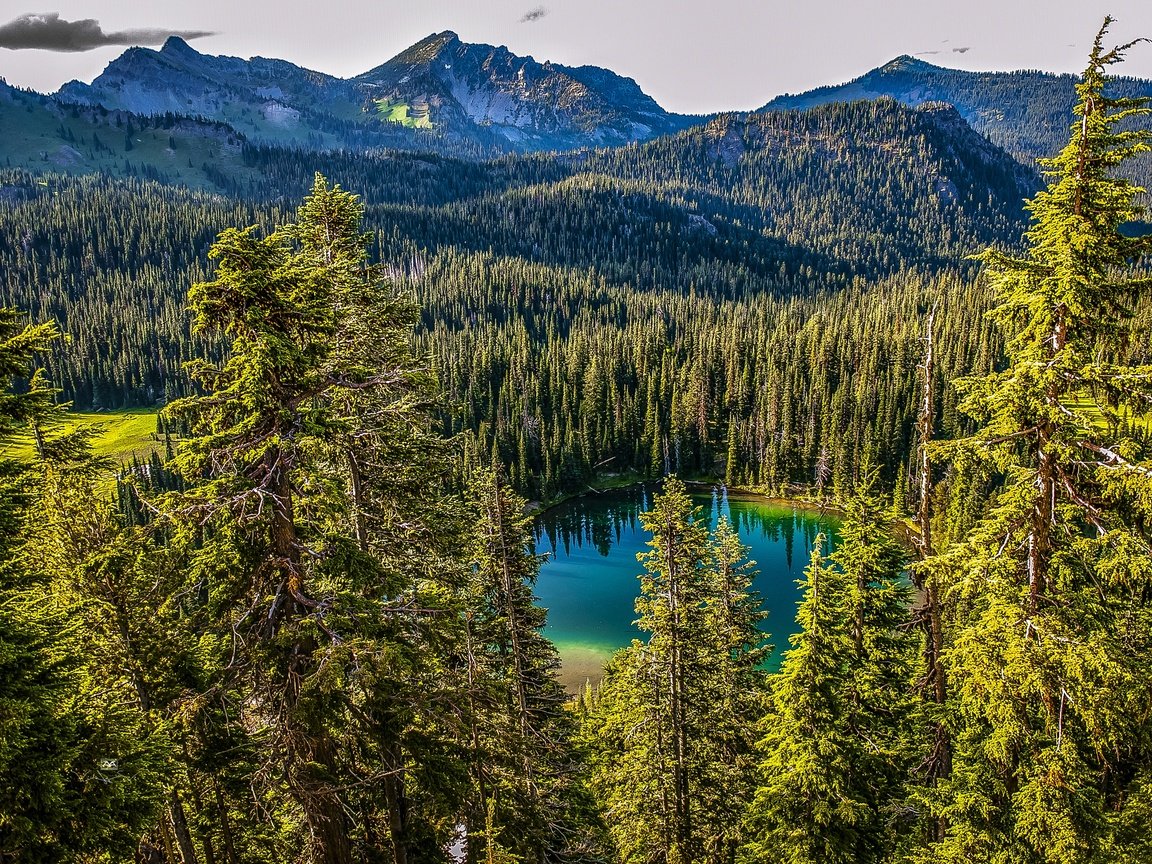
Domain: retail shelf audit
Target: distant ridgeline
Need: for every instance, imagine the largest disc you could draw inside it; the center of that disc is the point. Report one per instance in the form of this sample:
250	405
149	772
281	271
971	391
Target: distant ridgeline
440	94
446	96
742	298
1026	112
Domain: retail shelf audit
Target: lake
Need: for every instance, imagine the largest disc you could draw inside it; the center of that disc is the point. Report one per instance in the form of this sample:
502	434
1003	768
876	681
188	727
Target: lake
589	579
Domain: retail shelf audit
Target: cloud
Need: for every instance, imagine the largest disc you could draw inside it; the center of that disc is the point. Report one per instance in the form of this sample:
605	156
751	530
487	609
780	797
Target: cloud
961	50
47	31
533	15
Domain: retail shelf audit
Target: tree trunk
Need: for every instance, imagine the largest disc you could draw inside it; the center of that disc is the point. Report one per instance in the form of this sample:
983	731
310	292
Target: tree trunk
511	614
180	828
322	805
205	826
225	824
397	804
682	803
940	761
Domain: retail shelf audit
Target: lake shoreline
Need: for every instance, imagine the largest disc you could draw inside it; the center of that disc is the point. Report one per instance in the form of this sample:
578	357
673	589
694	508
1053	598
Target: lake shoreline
618	482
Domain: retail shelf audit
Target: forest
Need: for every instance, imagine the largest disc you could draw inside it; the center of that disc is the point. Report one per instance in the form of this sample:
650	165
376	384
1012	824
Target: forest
759	265
306	631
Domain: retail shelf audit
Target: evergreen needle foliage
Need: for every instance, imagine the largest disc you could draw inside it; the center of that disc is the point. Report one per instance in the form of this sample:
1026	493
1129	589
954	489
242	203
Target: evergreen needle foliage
838	738
670	727
1048	660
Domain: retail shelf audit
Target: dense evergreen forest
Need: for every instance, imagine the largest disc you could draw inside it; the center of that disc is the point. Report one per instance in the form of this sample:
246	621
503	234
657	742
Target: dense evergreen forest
720	269
309	634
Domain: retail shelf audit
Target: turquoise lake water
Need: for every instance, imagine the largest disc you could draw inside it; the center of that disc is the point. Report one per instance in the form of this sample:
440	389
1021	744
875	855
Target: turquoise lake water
589	580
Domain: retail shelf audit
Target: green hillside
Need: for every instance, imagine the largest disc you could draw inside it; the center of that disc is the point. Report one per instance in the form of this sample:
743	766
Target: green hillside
41	136
406	115
123	435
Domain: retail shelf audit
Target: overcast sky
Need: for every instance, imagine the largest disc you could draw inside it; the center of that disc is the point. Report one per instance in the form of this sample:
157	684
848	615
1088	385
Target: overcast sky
698	56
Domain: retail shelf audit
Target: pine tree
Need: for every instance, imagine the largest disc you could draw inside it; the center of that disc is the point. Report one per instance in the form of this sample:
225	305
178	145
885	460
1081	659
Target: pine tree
836	743
529	780
670	729
1049	654
78	773
316	517
804	810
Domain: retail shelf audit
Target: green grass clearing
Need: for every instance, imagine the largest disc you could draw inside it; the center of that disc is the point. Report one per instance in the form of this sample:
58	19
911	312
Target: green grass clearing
124	434
404	114
1090	410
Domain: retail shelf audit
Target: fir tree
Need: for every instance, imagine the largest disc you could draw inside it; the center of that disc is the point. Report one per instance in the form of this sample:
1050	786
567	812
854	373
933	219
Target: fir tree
315	517
1049	654
837	742
79	774
529	780
804	809
670	728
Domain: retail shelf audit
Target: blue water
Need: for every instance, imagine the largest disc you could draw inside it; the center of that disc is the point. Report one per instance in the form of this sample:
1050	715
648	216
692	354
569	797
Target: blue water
589	580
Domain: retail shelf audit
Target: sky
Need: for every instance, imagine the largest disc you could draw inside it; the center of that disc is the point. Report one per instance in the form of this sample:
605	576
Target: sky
693	56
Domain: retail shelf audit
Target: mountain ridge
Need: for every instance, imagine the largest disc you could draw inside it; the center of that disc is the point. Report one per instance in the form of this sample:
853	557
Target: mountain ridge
530	104
436	93
1026	112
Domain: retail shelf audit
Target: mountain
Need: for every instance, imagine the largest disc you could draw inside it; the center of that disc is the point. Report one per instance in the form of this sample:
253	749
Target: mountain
863	188
445	83
1027	113
271	101
42	134
440	95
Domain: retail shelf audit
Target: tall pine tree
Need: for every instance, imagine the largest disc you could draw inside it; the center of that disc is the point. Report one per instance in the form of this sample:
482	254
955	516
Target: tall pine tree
1047	666
670	729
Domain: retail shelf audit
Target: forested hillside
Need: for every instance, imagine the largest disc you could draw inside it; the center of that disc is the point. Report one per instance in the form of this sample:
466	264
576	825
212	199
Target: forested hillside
796	221
1026	112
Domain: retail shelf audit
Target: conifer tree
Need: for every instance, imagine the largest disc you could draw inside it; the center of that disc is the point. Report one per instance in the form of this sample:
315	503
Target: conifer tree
670	727
313	515
78	774
837	737
528	778
1050	652
804	810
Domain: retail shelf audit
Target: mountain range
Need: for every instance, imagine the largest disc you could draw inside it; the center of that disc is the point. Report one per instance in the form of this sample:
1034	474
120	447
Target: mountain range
181	116
1028	113
441	92
449	96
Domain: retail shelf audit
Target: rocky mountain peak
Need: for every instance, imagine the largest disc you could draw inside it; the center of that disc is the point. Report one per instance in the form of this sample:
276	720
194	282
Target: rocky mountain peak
461	92
175	46
427	50
904	63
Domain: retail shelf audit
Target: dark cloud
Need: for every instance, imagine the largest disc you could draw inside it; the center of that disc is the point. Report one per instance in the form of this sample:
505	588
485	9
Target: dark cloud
47	31
534	15
961	50
924	53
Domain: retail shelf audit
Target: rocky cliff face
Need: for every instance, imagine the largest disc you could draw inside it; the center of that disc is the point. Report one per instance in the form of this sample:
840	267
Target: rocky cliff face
264	99
527	104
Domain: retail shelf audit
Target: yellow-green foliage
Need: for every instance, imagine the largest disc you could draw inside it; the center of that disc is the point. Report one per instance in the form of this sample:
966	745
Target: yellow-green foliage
124	434
1084	405
404	114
